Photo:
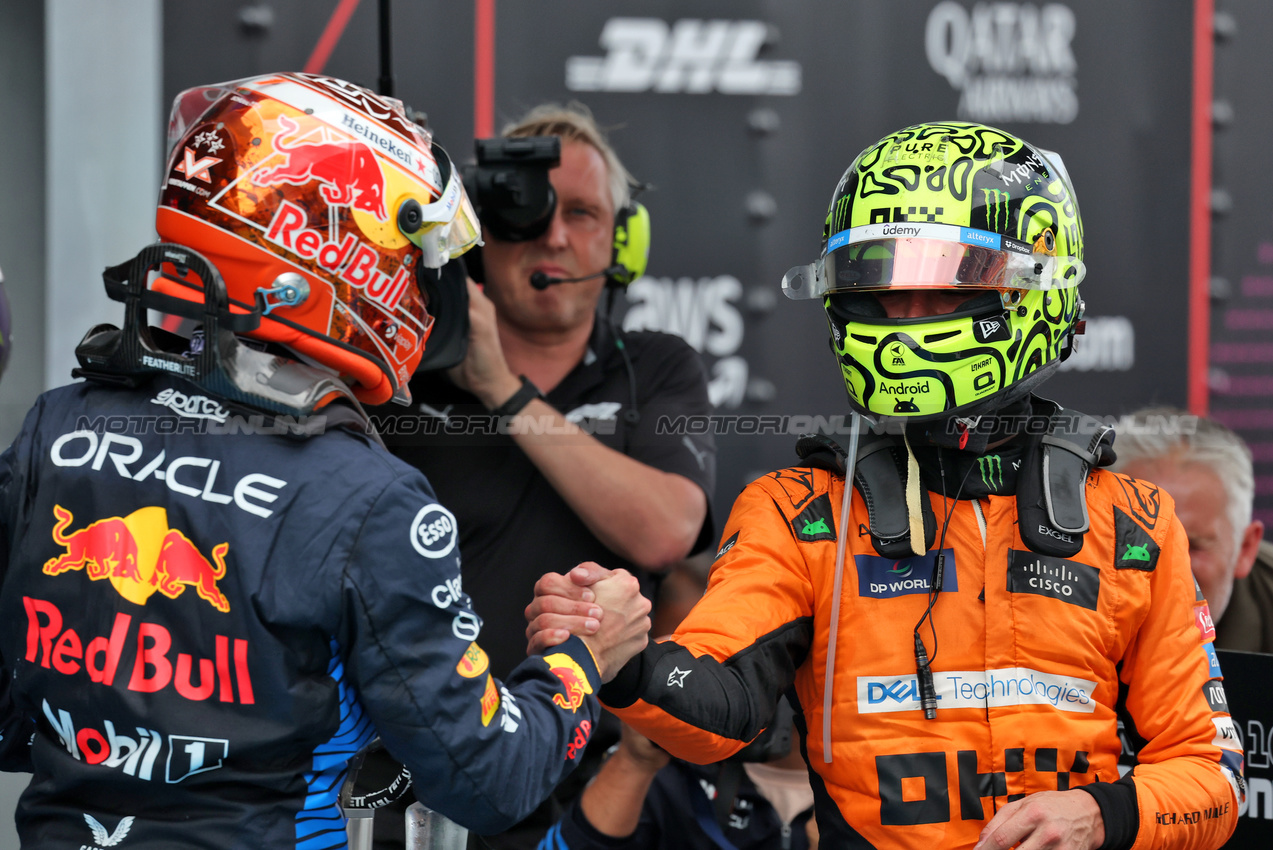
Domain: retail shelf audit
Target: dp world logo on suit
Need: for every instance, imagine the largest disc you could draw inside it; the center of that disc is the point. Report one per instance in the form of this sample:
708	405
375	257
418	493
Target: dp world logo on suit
885	578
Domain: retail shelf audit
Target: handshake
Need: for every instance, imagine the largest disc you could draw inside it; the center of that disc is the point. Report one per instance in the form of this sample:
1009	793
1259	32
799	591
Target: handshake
603	607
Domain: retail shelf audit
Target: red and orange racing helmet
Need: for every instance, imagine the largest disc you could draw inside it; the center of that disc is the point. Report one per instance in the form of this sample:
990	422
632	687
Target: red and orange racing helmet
321	203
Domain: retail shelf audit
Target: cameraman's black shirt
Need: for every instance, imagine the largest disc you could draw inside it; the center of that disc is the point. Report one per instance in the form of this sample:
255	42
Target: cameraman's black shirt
514	526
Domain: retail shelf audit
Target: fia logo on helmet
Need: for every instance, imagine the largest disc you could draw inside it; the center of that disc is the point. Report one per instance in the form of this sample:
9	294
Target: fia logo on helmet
356	262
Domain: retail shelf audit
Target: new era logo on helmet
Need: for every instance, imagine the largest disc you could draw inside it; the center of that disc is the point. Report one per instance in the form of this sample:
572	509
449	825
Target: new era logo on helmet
991	330
693	56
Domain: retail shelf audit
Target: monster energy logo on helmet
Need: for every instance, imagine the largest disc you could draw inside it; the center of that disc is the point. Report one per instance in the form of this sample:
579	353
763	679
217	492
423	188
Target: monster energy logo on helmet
991	467
840	215
997	201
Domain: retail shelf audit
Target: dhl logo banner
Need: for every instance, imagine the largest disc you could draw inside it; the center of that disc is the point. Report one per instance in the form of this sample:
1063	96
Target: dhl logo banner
572	678
139	554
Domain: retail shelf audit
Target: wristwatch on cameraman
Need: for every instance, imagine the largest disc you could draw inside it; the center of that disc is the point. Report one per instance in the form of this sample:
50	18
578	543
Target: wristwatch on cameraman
527	393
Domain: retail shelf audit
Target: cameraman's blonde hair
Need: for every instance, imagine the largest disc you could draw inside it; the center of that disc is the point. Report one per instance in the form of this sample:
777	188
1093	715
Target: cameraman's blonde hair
574	123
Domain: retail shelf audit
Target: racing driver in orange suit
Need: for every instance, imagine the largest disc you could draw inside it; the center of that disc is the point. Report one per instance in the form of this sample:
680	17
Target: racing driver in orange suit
964	634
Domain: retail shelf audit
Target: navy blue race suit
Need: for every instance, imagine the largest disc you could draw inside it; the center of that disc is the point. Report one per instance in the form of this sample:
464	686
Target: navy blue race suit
204	625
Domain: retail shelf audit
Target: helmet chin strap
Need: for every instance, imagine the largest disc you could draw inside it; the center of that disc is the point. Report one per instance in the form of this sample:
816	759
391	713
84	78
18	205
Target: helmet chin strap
222	365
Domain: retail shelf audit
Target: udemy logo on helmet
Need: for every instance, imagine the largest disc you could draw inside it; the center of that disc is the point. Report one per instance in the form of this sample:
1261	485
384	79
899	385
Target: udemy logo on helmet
320	203
957	207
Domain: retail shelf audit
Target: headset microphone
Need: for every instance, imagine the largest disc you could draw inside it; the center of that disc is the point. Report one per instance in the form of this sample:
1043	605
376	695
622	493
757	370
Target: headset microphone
541	281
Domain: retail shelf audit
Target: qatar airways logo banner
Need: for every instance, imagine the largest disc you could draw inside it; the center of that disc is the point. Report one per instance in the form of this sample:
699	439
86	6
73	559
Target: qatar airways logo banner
1008	61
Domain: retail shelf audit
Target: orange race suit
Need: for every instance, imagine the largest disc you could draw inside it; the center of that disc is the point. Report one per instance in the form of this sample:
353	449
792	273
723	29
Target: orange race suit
1034	657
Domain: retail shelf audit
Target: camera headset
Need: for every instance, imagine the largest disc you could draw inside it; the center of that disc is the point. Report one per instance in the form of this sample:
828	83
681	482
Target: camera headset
515	200
628	258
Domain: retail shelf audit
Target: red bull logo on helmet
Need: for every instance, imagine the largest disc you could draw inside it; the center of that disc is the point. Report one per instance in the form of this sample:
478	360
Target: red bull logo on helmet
573	679
139	555
356	263
347	168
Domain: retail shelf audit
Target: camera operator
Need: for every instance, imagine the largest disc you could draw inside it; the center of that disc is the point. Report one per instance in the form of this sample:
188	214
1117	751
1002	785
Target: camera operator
576	470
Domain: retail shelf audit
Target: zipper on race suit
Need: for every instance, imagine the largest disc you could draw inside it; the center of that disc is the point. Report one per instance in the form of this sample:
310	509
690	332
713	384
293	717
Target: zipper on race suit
981	521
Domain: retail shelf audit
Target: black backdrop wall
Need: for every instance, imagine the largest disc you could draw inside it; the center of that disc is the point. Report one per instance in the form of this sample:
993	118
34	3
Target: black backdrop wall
1241	377
743	114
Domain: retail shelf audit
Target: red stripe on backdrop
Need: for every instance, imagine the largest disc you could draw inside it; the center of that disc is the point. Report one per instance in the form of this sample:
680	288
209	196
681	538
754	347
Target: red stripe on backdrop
483	69
1200	206
331	35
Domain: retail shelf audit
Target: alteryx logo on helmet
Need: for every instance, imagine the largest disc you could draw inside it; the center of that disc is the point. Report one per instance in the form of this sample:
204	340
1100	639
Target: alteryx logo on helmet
969	208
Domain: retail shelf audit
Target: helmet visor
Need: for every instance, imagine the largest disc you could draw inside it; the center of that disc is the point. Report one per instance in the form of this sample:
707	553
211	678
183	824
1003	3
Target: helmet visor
931	256
448	226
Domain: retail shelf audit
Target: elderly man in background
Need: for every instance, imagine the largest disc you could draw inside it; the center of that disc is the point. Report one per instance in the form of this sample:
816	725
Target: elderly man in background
1207	469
